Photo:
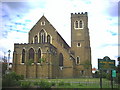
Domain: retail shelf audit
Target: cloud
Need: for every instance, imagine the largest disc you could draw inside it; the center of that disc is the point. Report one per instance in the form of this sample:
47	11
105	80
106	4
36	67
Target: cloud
8	43
109	50
112	9
9	17
107	45
16	7
112	33
37	4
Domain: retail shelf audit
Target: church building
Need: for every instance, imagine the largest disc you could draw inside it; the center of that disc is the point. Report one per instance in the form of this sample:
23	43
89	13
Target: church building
47	55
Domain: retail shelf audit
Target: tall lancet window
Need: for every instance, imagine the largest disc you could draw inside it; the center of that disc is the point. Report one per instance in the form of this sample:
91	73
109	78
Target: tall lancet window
60	59
36	39
42	36
77	60
39	55
23	56
76	24
81	24
48	39
31	54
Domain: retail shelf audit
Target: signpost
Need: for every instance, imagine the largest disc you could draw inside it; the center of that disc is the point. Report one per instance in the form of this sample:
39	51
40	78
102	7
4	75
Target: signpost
100	78
106	64
113	73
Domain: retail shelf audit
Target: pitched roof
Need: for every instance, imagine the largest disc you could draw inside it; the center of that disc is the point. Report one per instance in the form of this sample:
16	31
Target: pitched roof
52	26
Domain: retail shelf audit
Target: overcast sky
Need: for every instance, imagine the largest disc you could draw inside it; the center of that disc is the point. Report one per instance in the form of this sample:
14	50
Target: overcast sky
18	18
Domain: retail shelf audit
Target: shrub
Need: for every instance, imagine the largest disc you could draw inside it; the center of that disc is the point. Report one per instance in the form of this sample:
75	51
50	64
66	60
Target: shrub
4	68
108	76
67	84
11	79
40	60
21	77
29	62
118	75
117	78
8	82
96	74
36	83
104	75
61	83
80	84
25	84
43	84
53	84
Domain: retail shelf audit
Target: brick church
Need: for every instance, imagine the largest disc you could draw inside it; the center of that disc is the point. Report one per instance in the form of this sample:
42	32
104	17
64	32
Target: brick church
47	55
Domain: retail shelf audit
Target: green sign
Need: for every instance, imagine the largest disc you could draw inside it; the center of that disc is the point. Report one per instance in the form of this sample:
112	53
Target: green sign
113	73
106	64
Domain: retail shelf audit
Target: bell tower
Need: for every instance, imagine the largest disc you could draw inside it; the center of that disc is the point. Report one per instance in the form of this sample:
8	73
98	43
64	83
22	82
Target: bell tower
80	43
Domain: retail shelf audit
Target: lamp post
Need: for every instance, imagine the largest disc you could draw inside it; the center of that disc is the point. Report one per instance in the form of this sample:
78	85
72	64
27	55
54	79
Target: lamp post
8	59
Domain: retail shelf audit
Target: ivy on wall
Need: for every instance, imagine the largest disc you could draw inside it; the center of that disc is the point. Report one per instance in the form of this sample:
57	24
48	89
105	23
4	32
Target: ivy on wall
40	60
29	62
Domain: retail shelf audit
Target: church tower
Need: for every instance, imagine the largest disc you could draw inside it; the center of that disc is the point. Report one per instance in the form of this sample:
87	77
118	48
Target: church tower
80	44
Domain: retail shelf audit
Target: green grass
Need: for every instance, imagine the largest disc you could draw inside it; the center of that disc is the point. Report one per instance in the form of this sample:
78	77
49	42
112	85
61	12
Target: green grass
76	83
69	80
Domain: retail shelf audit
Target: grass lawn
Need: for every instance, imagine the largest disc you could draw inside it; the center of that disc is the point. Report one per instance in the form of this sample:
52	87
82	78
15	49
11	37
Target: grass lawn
77	83
70	80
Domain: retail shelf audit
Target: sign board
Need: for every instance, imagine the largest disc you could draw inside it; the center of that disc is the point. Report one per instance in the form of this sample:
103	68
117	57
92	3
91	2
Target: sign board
113	73
106	64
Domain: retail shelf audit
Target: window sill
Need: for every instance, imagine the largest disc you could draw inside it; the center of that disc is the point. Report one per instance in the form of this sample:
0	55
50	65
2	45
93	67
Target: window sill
32	64
38	63
78	28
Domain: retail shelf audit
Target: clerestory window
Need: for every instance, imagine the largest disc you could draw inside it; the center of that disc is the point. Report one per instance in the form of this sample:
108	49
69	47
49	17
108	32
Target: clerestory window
42	36
48	39
36	39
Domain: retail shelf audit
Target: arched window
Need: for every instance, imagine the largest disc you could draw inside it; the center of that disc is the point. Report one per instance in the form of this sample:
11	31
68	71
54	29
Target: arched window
77	60
23	56
43	23
42	36
81	24
78	44
31	54
39	55
60	59
76	24
36	39
48	39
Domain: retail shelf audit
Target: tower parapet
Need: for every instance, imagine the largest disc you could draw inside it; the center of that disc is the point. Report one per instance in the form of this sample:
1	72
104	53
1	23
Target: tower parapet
79	14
